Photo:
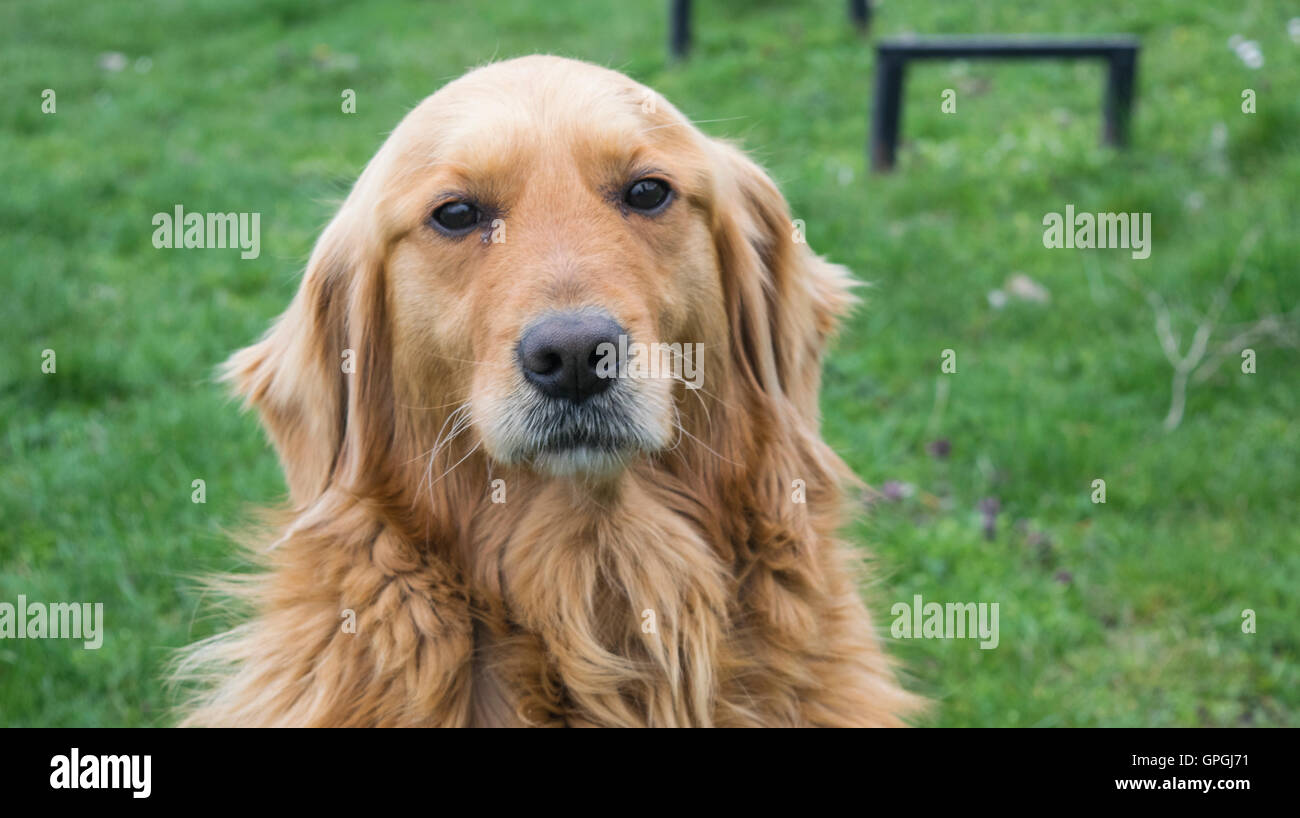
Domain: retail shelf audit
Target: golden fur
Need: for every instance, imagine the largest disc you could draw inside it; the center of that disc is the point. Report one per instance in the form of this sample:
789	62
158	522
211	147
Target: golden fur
530	611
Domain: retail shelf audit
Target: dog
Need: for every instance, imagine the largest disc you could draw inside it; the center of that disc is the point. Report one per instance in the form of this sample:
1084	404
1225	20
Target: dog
496	517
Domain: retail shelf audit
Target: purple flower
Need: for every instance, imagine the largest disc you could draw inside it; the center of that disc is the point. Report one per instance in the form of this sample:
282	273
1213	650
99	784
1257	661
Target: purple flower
940	448
989	508
894	490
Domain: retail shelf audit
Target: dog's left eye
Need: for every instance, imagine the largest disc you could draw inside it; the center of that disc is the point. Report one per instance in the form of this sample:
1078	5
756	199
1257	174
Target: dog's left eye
647	194
455	217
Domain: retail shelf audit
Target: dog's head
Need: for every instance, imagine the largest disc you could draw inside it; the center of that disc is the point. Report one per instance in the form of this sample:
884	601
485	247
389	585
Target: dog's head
551	265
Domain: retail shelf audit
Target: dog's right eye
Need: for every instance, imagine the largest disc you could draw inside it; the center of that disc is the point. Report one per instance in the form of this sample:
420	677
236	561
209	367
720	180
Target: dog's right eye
455	217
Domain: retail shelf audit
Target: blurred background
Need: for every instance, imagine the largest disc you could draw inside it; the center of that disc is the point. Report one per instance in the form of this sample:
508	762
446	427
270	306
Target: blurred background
1123	613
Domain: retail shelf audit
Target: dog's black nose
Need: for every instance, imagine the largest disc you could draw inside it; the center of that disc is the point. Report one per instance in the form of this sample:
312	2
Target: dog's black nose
562	354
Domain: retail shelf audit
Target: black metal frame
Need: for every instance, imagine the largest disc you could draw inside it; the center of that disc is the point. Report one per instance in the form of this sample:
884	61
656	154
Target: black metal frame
679	23
892	56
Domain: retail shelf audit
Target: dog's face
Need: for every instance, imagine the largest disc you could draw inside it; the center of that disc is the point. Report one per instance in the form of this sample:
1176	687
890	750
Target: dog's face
546	259
551	225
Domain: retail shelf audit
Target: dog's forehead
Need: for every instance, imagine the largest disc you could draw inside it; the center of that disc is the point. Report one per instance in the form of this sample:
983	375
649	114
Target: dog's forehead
542	103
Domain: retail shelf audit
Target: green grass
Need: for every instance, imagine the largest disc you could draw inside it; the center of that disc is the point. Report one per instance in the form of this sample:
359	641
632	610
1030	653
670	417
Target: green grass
1126	613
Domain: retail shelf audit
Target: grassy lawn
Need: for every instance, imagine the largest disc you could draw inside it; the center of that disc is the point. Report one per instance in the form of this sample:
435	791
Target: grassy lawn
1123	613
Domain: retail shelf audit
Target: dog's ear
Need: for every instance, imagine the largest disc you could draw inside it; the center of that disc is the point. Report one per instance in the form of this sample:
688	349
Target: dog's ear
783	301
320	377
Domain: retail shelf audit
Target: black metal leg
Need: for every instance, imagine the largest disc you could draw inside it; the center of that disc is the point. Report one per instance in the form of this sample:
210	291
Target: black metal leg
887	111
679	28
860	13
1118	105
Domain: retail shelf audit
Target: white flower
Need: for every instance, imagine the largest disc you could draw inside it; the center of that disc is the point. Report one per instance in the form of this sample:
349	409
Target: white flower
1249	52
1026	289
1218	136
112	61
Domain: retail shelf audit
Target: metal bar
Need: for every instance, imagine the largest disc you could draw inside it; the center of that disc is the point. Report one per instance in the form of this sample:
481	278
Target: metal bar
1007	48
887	113
860	13
1118	104
679	28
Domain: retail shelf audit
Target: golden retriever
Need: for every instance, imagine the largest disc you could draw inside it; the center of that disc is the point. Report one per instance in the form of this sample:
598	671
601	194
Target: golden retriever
489	528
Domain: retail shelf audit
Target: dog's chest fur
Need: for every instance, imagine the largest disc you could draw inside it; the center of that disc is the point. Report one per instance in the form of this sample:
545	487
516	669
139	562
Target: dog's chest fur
604	609
619	610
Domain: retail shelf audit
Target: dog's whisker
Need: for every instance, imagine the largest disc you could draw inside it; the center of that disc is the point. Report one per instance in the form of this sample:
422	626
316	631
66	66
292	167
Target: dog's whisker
461	422
452	419
431	408
674	449
693	123
694	387
457	463
706	446
496	363
708	417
